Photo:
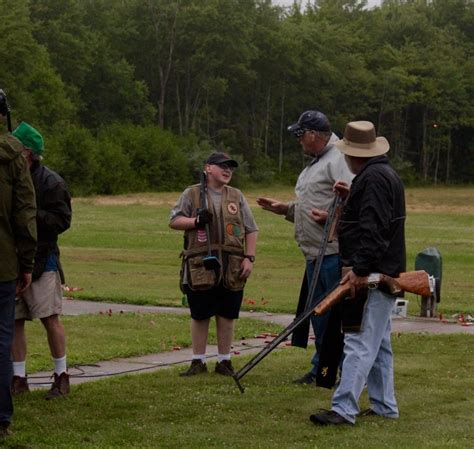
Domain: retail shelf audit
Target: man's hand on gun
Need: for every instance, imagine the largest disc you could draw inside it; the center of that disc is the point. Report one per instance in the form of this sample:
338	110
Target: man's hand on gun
275	206
355	282
203	217
342	189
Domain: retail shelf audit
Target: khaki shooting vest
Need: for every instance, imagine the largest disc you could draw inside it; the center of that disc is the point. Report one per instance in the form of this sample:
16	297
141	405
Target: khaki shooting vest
227	234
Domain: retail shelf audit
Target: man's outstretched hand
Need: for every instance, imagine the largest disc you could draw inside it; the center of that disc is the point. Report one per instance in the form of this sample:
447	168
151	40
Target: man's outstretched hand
275	206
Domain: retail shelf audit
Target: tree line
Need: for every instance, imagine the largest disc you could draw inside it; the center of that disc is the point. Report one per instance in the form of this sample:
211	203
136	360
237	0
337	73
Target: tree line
131	95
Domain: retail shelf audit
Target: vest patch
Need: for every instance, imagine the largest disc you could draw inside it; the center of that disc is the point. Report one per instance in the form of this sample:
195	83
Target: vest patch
232	208
233	229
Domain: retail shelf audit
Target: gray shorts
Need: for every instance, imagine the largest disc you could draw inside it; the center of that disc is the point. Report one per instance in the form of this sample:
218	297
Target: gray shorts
42	299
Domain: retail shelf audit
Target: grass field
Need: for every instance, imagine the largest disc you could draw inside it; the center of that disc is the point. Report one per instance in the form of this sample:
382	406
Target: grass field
433	376
121	249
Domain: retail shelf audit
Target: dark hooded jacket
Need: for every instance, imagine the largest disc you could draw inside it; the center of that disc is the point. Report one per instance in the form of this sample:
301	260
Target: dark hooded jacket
54	214
372	228
17	211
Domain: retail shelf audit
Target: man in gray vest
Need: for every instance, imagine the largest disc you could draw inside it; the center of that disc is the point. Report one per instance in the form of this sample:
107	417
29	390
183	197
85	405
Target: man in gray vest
314	194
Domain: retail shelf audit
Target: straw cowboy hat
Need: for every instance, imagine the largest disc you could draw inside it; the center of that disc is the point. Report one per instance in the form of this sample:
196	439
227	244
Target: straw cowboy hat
360	140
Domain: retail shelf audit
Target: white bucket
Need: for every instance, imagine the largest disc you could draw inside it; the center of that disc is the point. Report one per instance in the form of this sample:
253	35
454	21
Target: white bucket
400	308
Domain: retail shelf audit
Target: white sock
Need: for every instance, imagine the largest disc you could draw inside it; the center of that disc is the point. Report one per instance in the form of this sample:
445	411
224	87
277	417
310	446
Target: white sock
19	368
60	365
221	357
200	357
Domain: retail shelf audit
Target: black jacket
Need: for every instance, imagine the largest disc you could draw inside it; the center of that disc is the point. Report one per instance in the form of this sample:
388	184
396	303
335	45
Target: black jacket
54	213
372	228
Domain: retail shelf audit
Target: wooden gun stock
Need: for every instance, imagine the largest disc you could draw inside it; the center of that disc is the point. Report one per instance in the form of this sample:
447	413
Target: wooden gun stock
417	282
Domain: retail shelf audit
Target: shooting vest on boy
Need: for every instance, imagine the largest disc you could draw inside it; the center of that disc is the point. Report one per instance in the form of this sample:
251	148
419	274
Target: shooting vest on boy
227	244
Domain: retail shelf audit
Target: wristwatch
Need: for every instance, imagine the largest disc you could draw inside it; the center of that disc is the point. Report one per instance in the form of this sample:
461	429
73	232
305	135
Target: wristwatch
251	258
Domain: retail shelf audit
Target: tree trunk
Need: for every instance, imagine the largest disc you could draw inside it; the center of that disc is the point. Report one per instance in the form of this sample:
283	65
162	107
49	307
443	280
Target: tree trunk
267	121
448	158
424	150
178	107
164	66
282	126
438	149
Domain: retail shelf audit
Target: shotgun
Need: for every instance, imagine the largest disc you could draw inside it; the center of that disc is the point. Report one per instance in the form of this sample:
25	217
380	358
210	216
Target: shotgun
311	302
210	261
417	282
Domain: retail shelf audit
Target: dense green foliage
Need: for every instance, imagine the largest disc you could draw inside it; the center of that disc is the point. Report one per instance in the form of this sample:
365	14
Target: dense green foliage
131	95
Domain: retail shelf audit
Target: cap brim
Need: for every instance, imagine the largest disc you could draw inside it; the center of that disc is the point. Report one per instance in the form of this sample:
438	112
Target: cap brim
379	147
293	128
232	162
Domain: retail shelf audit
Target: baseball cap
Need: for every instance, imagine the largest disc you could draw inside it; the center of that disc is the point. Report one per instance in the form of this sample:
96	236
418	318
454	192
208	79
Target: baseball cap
312	120
221	158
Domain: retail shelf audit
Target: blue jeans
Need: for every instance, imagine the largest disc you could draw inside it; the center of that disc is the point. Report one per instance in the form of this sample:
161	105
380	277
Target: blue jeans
368	359
7	325
329	277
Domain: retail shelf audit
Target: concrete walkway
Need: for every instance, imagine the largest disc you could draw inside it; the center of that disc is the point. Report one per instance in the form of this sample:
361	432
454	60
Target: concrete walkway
154	362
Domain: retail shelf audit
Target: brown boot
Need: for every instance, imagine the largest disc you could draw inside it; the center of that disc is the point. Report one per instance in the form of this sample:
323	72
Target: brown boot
225	368
60	386
19	385
197	367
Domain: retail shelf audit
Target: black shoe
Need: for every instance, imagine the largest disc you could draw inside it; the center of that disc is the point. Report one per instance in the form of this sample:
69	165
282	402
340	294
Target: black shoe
326	417
307	379
225	368
197	367
4	430
367	413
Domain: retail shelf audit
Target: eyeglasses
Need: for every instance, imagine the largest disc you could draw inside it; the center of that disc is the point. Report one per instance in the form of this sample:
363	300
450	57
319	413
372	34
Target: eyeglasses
300	132
225	166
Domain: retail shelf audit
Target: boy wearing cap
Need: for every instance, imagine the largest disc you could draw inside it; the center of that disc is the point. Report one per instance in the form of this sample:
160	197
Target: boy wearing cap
43	299
228	228
314	195
372	240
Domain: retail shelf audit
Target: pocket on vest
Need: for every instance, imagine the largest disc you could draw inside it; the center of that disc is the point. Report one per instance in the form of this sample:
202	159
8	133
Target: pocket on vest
232	279
199	277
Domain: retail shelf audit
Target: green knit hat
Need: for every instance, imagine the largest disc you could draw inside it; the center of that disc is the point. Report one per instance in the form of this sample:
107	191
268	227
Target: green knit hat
29	137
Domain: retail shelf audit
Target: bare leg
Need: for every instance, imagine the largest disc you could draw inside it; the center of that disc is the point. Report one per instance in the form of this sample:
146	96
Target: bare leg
199	332
225	334
56	336
19	342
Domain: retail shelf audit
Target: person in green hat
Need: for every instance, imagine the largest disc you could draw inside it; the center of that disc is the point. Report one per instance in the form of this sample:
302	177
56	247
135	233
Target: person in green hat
43	299
17	250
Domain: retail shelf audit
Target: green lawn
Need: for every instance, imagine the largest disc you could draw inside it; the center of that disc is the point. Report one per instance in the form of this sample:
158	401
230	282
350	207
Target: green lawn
434	385
121	249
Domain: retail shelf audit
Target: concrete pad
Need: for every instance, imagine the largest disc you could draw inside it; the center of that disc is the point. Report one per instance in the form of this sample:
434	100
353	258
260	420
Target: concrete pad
147	363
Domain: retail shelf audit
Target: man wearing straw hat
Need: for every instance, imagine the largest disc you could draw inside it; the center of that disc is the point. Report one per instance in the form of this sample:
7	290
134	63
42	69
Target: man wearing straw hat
371	240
